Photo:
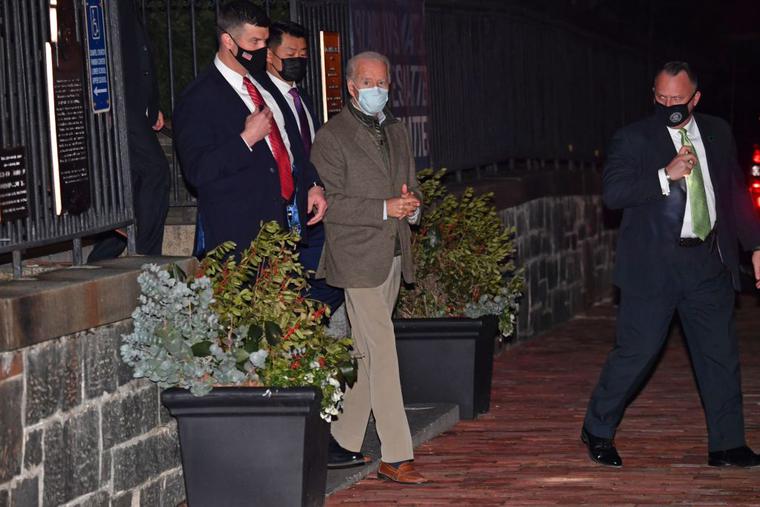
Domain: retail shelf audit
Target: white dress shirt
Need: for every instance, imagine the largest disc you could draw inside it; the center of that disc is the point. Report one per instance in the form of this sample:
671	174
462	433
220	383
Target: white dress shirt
692	130
236	82
285	88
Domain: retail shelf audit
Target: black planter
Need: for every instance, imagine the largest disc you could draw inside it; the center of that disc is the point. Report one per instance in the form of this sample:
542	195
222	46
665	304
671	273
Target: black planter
447	360
243	447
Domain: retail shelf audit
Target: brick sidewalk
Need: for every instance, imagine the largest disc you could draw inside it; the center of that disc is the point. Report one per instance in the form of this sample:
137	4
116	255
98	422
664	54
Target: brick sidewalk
527	451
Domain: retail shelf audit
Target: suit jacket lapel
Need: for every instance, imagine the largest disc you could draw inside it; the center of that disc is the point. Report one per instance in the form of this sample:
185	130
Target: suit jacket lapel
665	150
309	106
228	93
367	144
393	133
708	141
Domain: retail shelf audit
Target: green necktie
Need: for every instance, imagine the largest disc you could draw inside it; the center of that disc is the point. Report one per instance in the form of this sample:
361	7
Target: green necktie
695	187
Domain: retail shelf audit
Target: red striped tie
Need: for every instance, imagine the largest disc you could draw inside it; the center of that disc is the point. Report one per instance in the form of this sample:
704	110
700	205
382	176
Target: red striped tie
278	146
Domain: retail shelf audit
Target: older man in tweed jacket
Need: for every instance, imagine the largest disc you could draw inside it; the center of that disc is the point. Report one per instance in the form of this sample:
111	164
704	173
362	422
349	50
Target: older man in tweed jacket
364	159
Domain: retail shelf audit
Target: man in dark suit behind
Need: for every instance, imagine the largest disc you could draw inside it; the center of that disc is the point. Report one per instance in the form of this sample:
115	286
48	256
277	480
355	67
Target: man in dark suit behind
685	204
147	162
287	60
231	143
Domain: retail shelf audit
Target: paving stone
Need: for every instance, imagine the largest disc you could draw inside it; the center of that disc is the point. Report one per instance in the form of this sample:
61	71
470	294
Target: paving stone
11	431
138	462
127	417
151	494
100	350
99	499
105	468
124	372
25	493
33	449
123	500
11	364
526	450
71	458
426	420
173	489
53	379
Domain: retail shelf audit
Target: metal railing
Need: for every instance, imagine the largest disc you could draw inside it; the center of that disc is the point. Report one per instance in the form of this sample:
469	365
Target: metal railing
24	123
506	83
327	15
184	41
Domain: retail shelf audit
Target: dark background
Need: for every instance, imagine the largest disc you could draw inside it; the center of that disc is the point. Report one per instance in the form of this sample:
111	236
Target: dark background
534	79
720	39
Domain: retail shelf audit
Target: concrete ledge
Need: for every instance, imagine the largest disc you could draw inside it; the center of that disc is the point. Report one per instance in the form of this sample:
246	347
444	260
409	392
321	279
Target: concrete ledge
519	188
426	421
66	301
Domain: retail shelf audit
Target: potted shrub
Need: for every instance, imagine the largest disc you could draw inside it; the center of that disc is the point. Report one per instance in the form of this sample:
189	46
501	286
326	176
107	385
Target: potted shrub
465	293
249	372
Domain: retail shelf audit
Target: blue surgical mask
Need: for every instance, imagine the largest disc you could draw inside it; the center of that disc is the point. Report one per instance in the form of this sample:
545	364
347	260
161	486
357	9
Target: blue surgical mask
372	100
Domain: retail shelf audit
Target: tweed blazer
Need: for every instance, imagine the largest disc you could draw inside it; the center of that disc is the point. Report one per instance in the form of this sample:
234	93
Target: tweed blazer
359	244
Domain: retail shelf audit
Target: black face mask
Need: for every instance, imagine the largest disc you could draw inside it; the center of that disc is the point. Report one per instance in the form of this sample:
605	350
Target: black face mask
293	69
254	61
675	114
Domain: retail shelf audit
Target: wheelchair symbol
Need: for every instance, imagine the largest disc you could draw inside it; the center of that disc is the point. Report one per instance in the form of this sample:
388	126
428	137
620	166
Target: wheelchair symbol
94	22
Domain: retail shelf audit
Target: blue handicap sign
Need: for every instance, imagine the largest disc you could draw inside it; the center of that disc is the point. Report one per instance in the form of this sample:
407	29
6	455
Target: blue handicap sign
97	56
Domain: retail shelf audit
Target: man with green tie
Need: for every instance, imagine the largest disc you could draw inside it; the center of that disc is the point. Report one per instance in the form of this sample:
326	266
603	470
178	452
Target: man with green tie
685	204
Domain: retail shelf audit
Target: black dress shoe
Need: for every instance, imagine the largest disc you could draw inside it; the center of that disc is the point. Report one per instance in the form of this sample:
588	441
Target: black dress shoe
338	457
601	450
737	457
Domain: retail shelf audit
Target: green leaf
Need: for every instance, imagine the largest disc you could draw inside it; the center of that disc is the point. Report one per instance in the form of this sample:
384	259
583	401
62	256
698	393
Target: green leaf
273	333
176	272
254	334
202	349
348	372
251	345
241	355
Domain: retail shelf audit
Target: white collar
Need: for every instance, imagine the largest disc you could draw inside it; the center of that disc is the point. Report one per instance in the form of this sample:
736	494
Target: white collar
283	86
691	128
233	78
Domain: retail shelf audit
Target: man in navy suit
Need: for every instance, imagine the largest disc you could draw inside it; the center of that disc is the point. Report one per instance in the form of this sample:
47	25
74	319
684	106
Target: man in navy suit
685	204
287	60
232	143
286	65
148	167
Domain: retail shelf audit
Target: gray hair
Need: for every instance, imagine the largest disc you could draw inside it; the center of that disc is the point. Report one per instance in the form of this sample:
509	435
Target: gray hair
366	55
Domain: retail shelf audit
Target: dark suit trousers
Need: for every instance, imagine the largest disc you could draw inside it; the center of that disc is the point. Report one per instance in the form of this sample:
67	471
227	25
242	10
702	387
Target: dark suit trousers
150	191
309	256
700	289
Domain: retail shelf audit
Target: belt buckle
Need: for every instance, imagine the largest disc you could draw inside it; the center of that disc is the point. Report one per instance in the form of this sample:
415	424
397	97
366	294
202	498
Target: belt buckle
692	242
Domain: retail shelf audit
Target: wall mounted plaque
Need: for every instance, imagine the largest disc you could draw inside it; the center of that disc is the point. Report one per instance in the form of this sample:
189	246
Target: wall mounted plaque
66	110
332	73
14	197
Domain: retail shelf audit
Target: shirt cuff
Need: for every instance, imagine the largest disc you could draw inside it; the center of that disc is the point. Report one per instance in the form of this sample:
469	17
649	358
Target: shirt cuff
415	217
385	210
664	183
246	143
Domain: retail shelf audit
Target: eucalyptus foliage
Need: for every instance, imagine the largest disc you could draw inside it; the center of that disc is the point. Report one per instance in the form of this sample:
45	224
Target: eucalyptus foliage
238	322
464	258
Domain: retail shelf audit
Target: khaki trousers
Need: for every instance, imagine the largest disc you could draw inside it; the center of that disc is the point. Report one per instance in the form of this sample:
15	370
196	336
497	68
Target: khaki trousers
377	388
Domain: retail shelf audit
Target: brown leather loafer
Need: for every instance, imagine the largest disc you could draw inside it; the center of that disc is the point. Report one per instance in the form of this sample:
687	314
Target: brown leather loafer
404	474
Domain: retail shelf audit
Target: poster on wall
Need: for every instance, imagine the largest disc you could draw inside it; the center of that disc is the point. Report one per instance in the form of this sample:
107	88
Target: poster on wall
65	72
396	28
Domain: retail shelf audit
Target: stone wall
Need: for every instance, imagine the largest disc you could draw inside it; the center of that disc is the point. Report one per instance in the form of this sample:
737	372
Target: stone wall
567	252
77	430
